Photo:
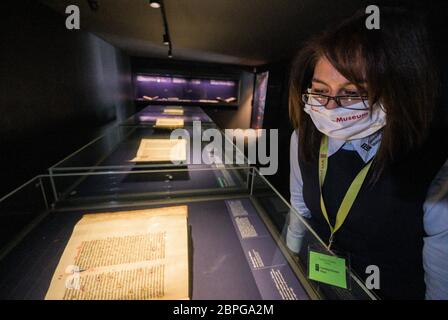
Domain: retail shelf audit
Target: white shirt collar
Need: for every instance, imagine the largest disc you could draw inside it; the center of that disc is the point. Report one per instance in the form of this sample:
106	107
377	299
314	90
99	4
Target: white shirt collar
365	147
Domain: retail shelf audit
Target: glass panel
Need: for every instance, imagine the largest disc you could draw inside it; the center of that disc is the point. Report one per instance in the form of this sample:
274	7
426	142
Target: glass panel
116	150
261	87
105	188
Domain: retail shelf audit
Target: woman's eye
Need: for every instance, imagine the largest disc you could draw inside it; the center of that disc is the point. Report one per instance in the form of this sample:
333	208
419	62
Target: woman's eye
350	92
318	91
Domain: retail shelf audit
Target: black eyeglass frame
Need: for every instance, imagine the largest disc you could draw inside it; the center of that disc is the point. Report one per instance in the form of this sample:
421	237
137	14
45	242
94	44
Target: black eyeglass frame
363	99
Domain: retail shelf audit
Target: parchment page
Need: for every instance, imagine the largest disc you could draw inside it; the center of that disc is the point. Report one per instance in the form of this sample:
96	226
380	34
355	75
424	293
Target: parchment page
161	150
169	123
132	255
174	111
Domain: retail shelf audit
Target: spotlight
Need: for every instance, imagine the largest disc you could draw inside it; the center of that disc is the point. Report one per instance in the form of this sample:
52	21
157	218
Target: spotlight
166	39
170	54
155	4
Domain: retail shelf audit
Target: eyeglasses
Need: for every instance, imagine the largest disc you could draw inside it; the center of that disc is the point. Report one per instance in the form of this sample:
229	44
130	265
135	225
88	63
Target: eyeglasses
347	102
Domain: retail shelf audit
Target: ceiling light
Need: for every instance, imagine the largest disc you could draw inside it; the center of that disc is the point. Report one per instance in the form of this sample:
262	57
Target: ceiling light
166	39
155	4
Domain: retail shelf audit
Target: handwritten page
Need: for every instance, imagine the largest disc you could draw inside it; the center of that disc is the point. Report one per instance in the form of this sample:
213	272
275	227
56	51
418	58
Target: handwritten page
129	255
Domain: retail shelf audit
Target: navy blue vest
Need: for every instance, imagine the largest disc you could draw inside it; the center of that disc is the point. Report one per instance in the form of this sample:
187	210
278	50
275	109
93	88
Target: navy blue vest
385	224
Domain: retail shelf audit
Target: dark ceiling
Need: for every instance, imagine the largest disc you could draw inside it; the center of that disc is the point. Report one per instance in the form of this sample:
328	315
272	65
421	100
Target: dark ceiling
244	32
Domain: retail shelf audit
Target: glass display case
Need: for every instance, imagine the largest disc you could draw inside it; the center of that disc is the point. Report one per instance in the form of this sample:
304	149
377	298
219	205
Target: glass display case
180	89
117	148
260	91
236	231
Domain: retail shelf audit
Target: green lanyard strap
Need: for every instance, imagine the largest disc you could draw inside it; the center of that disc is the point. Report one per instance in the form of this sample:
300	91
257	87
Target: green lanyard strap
349	197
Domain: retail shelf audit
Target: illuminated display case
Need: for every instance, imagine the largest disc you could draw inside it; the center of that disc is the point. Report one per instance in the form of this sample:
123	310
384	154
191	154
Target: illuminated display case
184	90
116	148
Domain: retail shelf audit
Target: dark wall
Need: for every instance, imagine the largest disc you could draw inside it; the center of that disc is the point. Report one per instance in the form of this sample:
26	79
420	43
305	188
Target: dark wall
437	17
59	89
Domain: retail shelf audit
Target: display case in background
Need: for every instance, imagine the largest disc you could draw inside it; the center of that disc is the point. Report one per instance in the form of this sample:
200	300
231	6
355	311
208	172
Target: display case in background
162	89
119	144
229	226
117	148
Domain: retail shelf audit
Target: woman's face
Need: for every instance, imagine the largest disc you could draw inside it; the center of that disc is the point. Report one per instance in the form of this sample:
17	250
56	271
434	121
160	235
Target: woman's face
328	81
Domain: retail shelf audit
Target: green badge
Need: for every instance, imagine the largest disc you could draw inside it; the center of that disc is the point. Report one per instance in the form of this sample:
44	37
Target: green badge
327	269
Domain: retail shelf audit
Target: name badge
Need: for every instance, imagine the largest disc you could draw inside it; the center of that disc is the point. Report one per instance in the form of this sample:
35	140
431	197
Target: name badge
329	269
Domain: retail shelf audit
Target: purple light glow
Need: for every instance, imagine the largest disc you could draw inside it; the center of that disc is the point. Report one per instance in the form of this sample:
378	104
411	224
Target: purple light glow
178	88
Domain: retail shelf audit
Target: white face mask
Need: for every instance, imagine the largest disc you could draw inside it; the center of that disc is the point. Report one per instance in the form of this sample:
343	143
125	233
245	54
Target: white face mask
345	124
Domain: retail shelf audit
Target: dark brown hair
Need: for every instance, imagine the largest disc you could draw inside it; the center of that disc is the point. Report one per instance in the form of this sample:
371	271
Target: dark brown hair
396	63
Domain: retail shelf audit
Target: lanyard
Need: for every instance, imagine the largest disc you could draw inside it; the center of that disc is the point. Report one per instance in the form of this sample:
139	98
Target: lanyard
349	197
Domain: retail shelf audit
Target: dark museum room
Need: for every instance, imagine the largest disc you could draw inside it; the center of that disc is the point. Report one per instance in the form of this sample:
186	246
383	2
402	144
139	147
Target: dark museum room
217	150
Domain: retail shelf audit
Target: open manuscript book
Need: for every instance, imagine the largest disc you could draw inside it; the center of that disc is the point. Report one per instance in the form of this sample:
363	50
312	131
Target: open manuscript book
129	255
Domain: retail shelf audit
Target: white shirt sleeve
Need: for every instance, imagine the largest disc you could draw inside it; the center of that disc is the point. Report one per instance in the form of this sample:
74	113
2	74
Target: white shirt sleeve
296	229
435	248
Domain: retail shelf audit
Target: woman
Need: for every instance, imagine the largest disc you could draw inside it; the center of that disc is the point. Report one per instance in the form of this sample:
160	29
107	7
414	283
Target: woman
362	103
